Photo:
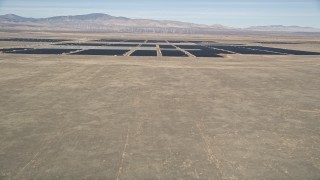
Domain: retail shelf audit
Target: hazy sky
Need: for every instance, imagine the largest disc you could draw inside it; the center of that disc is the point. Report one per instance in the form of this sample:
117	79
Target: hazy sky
237	13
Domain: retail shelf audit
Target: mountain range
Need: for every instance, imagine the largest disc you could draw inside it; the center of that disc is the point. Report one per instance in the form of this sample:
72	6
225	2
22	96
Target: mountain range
107	23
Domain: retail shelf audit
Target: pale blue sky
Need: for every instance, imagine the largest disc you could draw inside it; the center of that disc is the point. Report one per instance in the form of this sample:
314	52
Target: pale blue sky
236	13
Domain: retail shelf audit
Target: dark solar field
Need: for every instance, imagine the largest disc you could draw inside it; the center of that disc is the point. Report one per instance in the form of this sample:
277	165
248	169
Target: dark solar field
82	44
135	41
173	53
216	51
9	50
190	46
43	51
170	41
118	47
107	52
124	45
156	41
202	41
144	53
167	47
148	45
245	50
110	40
285	51
203	53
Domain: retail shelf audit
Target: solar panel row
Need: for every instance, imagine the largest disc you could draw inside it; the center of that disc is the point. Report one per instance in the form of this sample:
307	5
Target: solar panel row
167	50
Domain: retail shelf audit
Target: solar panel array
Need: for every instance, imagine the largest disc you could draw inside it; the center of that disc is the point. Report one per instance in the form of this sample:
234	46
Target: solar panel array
140	47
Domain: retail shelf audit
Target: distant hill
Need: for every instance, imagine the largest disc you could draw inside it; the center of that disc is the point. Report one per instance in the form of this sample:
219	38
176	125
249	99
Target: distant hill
107	23
14	18
284	28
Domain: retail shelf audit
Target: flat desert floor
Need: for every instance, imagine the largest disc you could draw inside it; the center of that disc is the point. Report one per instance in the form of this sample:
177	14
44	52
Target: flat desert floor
98	117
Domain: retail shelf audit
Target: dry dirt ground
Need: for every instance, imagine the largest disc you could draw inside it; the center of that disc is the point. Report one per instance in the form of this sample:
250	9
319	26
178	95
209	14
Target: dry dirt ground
96	117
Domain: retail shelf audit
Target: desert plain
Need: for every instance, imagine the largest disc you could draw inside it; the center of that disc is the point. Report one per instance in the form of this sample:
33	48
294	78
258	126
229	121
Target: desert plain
105	117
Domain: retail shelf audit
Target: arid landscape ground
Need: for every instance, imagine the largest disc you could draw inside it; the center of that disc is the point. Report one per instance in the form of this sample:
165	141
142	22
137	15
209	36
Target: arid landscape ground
238	116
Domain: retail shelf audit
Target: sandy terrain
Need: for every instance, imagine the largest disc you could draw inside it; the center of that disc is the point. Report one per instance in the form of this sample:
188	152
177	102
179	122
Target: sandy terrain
97	117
